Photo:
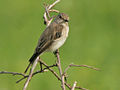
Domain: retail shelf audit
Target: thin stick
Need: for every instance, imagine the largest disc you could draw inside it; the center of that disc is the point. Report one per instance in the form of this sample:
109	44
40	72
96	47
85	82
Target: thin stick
30	74
43	70
74	85
13	73
47	9
73	65
52	5
53	10
40	71
58	77
60	70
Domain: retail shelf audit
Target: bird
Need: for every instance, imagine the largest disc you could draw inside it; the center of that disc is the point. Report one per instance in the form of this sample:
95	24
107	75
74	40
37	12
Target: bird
52	38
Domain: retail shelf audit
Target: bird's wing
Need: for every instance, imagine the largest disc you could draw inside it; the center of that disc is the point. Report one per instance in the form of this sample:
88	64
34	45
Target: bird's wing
51	33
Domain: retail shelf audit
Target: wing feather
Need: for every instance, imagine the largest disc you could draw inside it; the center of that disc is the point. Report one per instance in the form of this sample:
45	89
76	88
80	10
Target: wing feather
51	33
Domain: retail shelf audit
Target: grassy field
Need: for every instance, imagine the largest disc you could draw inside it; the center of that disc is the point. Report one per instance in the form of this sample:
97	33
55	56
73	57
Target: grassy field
94	39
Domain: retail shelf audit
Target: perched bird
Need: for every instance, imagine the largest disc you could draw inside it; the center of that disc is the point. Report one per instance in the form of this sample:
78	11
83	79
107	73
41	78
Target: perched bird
52	38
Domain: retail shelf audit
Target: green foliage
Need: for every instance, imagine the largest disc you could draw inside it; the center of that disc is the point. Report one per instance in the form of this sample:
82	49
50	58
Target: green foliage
94	39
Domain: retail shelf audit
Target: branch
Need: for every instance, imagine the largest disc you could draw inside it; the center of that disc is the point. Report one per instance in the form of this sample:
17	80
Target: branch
13	73
58	77
52	5
31	73
49	9
73	65
47	22
60	70
40	71
74	85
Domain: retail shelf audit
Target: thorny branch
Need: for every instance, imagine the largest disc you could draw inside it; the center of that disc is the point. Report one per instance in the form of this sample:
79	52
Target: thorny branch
47	21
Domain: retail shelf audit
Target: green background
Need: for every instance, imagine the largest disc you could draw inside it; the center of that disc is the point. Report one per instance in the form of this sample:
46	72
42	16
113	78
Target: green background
94	39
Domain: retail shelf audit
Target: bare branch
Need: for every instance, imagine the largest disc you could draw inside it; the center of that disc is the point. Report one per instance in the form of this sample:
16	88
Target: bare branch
58	77
30	74
74	85
73	65
44	70
47	21
49	9
13	73
60	70
52	5
53	10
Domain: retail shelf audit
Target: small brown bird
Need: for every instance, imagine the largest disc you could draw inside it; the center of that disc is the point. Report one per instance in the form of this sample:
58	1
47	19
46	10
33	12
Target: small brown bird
52	38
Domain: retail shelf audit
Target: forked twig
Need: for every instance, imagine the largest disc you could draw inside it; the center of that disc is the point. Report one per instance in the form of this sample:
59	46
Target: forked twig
73	65
58	77
49	9
40	71
43	70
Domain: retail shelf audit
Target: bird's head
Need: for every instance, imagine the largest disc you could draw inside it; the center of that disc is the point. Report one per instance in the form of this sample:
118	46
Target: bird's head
62	18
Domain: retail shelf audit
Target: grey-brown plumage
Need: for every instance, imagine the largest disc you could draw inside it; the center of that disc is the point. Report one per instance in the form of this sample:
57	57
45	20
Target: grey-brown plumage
53	37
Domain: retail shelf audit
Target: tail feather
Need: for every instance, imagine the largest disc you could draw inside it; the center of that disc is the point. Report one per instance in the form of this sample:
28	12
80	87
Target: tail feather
31	60
27	68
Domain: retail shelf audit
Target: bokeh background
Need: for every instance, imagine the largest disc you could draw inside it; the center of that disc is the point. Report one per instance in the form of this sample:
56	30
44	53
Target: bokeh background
94	39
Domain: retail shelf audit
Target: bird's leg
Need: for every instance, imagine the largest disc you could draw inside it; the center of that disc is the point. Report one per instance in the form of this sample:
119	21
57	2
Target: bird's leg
65	77
41	68
56	52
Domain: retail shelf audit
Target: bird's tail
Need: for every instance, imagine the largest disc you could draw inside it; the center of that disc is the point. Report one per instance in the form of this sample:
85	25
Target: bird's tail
31	60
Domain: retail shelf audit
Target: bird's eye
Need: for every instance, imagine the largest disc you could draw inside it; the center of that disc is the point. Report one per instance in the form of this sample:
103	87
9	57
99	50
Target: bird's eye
60	17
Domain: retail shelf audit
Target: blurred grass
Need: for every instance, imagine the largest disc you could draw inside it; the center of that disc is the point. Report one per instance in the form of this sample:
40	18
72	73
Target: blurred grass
94	39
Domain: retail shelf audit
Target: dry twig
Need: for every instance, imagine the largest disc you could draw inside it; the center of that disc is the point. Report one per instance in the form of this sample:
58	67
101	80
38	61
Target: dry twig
58	77
48	20
73	65
30	74
13	73
60	70
43	70
74	85
47	10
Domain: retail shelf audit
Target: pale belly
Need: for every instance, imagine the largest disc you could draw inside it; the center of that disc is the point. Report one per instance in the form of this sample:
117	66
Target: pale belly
57	44
60	41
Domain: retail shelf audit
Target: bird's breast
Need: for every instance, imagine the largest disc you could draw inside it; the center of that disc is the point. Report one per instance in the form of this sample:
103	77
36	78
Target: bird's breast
60	41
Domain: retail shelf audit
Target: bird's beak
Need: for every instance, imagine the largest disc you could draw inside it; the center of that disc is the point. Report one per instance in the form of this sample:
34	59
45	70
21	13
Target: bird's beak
66	21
